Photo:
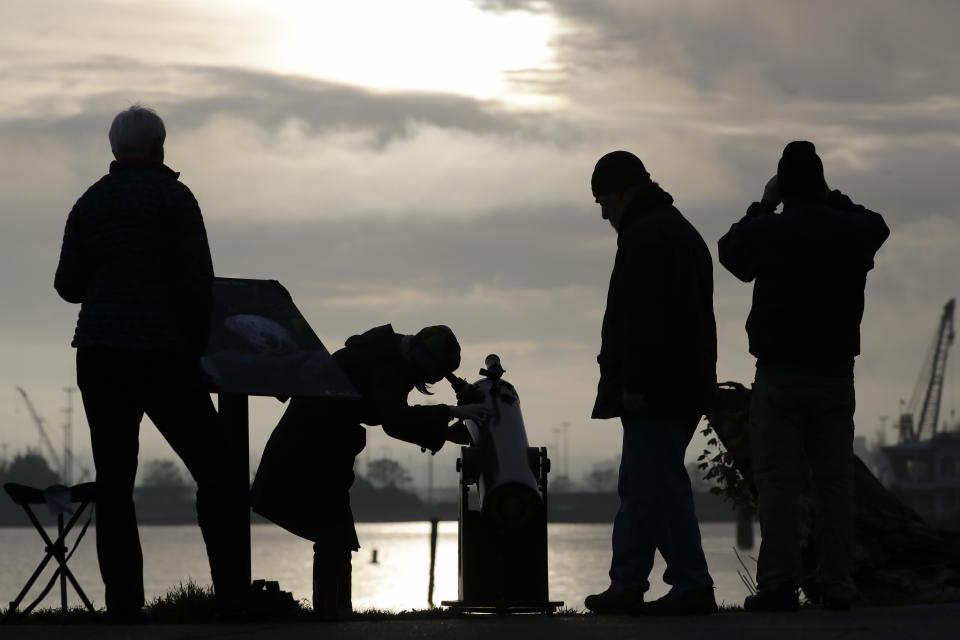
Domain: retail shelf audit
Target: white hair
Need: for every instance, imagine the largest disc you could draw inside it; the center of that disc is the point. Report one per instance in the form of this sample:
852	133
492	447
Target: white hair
137	132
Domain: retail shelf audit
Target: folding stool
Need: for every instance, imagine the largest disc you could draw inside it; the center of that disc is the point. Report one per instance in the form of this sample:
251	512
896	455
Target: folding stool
85	495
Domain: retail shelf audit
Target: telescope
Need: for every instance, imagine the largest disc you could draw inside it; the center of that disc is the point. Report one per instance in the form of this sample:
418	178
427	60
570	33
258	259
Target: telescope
502	539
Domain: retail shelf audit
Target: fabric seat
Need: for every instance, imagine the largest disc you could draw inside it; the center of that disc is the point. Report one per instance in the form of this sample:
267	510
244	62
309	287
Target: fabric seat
61	500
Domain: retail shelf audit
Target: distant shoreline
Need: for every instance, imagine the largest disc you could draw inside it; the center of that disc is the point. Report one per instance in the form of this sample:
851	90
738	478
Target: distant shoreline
388	505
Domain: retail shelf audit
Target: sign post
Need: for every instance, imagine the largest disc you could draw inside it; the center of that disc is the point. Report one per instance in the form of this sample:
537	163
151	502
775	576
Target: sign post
261	345
235	427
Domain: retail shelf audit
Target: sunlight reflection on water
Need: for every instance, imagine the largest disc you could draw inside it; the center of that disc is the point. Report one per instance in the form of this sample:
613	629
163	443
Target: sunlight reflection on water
579	556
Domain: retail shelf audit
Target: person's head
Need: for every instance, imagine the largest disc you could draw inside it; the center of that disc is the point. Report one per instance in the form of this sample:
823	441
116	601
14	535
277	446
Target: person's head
137	132
433	352
800	173
616	178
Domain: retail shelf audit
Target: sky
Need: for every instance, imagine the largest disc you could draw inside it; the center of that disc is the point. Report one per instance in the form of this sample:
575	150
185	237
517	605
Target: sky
429	161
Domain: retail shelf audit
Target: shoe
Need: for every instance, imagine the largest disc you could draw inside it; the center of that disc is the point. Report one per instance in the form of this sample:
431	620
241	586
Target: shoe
838	597
782	599
623	602
232	611
692	602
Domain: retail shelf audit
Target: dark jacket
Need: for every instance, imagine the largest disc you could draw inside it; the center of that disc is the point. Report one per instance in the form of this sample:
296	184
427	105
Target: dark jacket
135	256
810	264
659	334
374	365
306	471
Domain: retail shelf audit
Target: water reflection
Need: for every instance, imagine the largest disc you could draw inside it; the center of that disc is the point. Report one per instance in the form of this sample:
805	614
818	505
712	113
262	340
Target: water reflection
579	559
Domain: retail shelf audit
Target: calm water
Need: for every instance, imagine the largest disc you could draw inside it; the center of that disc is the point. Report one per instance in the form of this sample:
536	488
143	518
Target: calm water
579	558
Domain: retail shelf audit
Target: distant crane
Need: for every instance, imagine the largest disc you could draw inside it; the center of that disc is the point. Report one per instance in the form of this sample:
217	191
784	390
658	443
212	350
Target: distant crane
65	464
929	388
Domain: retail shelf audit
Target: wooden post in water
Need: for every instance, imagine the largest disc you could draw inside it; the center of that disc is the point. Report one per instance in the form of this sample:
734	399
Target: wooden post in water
433	558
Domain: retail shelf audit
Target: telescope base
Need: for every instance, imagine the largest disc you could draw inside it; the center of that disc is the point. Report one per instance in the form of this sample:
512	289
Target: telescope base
501	607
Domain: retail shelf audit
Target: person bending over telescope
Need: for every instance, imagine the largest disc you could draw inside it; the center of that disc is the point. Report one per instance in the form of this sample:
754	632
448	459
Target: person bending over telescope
306	470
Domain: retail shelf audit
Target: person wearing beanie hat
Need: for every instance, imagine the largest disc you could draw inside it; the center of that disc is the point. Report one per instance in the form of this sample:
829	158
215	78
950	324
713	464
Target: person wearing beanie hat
809	267
305	473
657	375
800	172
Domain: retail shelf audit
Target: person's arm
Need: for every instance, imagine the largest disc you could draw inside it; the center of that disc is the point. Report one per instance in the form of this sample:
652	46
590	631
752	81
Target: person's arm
195	278
871	227
644	285
423	425
72	274
744	248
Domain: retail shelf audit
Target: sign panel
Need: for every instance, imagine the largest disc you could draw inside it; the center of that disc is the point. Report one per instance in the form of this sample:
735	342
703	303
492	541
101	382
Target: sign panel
260	345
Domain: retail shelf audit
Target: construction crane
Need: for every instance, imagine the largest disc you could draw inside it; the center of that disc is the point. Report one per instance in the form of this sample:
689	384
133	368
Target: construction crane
45	441
65	464
929	388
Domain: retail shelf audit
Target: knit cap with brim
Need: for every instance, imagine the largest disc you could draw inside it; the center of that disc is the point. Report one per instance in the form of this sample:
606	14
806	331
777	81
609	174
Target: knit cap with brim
617	171
441	344
800	171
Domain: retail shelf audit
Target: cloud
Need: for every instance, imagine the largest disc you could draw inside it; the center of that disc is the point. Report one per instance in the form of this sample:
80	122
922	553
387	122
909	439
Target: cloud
425	207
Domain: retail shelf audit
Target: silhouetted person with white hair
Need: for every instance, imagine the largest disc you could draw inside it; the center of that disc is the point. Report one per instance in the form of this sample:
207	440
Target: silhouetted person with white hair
658	376
809	267
135	257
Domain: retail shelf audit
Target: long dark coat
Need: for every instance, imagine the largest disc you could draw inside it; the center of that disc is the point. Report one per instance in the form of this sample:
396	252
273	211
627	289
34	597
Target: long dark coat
135	256
659	335
306	471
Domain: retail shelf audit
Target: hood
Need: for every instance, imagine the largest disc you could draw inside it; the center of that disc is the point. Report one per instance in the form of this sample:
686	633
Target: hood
382	337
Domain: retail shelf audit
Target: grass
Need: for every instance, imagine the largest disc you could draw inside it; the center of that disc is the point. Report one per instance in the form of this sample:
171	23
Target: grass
191	603
186	603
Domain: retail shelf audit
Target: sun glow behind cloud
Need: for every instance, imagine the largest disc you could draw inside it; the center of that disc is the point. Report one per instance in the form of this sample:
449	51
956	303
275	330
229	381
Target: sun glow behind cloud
430	45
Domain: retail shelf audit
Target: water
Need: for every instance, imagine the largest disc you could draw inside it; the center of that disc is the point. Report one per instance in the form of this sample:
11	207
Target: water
579	556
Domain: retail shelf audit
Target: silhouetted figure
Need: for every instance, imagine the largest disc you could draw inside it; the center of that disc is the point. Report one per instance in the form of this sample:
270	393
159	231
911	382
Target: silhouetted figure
306	470
135	256
810	264
657	374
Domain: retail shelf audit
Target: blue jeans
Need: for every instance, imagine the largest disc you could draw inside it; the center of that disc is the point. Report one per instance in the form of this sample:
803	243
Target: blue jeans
656	506
801	433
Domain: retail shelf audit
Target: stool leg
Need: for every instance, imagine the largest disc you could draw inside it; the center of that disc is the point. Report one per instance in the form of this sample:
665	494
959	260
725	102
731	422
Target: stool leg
43	563
62	559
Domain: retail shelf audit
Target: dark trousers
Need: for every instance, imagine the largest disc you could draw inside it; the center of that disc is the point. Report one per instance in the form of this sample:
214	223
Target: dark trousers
118	388
332	581
801	433
656	506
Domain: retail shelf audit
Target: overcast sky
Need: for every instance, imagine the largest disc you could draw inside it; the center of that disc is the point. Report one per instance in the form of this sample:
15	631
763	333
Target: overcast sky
428	161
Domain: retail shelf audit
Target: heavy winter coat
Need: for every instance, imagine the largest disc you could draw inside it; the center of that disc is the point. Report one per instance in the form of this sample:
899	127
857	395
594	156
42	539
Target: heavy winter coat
135	256
659	335
810	264
306	470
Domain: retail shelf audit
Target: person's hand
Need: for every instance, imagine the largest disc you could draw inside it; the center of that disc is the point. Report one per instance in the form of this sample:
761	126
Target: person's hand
457	433
469	394
475	412
771	192
633	402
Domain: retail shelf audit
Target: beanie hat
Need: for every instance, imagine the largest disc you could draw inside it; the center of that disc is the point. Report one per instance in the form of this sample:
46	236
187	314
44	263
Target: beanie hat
800	171
441	347
616	171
